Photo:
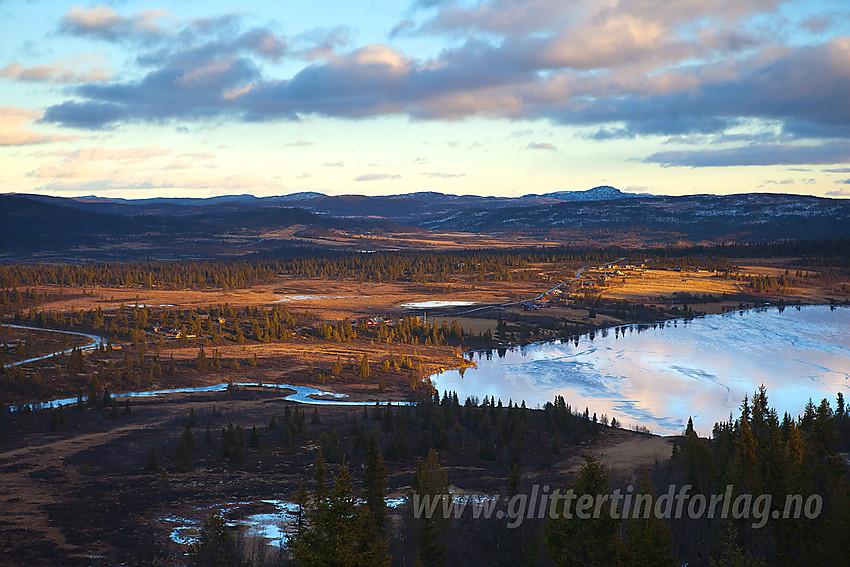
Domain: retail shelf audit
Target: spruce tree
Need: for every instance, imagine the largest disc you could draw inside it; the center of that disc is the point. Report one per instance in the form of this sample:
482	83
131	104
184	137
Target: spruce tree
431	481
375	483
592	541
649	543
215	545
320	471
340	532
254	438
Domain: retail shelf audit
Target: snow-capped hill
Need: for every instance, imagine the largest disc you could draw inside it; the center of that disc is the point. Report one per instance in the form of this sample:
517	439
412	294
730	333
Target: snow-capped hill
601	193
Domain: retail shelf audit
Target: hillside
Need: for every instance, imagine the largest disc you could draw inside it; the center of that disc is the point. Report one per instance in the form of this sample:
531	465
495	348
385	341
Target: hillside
43	227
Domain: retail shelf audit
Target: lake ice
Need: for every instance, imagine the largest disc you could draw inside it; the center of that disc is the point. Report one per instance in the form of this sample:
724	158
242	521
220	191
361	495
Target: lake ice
659	376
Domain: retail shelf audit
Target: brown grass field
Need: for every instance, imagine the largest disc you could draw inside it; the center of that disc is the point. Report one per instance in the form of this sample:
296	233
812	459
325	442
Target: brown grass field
333	300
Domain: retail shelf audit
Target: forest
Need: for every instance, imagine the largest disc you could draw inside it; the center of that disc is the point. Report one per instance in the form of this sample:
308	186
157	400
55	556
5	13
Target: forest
396	266
342	515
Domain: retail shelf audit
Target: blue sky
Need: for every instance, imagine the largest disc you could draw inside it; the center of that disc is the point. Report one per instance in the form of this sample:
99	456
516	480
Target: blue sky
500	97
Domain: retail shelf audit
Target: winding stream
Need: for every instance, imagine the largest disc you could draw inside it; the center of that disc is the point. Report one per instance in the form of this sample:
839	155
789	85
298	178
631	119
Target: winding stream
302	394
95	341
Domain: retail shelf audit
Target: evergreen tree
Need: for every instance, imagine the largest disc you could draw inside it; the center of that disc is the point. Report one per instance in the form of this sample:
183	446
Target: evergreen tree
375	483
301	498
201	363
649	543
320	471
254	438
592	541
215	546
514	481
432	481
152	463
184	449
730	554
340	533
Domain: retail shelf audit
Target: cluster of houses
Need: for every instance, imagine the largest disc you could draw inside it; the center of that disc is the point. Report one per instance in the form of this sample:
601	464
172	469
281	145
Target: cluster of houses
604	276
533	305
174	334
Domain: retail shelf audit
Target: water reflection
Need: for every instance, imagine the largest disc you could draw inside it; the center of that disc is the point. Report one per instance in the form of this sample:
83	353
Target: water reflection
659	374
302	394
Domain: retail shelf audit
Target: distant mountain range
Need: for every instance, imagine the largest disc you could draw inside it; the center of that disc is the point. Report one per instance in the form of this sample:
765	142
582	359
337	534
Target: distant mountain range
36	227
409	207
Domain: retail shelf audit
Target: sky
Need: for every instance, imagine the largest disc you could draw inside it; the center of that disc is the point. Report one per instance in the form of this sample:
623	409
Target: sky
491	97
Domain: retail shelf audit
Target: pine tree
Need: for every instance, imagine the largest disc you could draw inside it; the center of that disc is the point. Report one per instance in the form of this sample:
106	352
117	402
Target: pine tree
375	483
514	481
745	464
432	481
152	463
730	554
649	542
201	363
254	438
301	498
588	542
184	450
340	533
364	368
320	471
215	545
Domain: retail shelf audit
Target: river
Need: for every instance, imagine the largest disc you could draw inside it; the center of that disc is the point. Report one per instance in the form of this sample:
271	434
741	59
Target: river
95	340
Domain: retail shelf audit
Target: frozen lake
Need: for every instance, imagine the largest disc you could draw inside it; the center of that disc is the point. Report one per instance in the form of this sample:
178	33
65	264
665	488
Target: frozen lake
659	376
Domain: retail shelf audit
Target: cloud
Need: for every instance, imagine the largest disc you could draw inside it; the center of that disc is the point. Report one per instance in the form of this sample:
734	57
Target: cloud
298	144
14	131
59	72
264	43
541	146
838	170
320	43
93	162
103	22
843	192
403	27
441	175
166	180
334	164
821	23
197	155
376	177
106	169
765	154
163	34
613	134
648	68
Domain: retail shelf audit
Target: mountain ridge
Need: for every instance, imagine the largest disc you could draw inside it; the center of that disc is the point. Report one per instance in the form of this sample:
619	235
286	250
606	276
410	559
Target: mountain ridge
39	226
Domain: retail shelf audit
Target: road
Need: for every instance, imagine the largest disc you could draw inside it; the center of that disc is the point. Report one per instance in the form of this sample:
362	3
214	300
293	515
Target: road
538	296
